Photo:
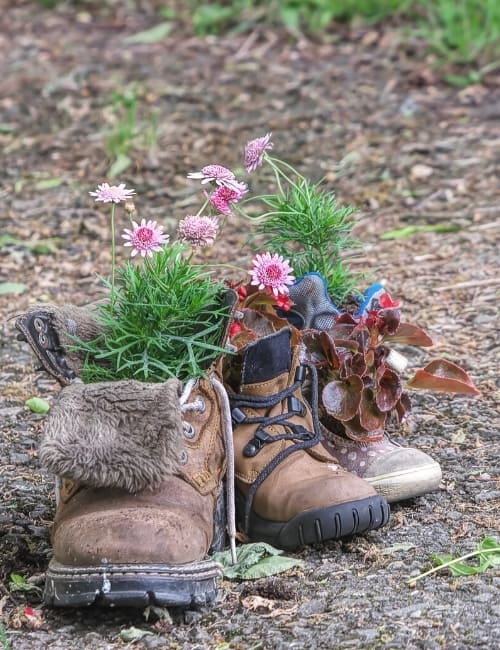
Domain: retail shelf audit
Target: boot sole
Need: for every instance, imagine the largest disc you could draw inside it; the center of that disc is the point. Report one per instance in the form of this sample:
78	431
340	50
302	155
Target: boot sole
320	525
132	585
407	484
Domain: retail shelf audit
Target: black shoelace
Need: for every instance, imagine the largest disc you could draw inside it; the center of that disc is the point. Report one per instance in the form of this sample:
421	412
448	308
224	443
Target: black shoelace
302	437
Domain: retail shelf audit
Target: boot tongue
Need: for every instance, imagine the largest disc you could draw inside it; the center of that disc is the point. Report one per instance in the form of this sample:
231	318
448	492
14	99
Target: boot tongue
267	358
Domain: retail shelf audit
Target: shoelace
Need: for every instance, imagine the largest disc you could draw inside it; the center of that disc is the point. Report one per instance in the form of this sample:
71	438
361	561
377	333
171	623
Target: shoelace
304	438
197	405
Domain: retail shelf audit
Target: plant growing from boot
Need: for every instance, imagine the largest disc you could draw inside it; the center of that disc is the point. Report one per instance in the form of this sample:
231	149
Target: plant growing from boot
164	316
360	374
305	220
164	321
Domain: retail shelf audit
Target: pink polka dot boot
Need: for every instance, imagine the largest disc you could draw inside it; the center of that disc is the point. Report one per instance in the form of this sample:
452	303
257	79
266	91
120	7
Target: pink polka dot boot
396	472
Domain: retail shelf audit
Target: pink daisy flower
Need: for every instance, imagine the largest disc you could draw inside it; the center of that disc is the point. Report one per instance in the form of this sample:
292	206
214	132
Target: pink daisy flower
271	273
112	193
145	239
198	231
214	173
254	152
224	195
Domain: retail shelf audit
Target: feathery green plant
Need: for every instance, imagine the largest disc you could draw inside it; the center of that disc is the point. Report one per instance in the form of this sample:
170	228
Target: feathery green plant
304	220
158	325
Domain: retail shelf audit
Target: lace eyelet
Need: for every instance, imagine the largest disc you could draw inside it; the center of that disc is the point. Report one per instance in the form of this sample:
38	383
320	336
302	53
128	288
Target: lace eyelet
38	324
201	405
183	457
188	430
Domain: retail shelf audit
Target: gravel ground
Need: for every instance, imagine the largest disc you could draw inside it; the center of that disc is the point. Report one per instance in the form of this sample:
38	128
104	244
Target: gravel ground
367	111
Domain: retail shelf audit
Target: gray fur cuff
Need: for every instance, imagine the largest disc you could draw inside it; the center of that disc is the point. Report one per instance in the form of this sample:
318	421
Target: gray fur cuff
124	434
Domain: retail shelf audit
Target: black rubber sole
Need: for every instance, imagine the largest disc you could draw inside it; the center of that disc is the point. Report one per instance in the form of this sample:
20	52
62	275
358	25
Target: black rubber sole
124	585
319	525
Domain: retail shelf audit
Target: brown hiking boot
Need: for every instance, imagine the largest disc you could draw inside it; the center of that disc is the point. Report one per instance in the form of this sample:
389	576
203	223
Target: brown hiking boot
290	490
141	503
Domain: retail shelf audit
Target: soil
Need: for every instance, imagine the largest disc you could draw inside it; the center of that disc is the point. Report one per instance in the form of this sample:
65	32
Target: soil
366	109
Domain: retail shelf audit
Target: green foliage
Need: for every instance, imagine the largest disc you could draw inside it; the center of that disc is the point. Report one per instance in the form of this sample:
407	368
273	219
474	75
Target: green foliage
463	31
487	551
19	583
255	561
315	15
3	639
311	15
48	183
37	246
215	18
166	320
128	132
121	139
306	223
48	4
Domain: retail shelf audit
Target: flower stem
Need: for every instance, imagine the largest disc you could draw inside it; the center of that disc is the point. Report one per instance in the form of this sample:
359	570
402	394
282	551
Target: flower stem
272	162
203	206
113	252
483	551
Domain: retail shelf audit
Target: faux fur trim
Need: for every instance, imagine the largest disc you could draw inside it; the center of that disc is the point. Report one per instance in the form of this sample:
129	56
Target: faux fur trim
124	434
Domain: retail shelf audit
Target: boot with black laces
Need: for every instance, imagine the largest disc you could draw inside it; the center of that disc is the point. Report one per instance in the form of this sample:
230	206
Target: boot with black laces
290	490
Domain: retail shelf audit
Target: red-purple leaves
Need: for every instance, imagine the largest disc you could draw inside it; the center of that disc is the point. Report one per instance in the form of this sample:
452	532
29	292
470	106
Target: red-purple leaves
389	389
341	398
371	417
445	376
409	334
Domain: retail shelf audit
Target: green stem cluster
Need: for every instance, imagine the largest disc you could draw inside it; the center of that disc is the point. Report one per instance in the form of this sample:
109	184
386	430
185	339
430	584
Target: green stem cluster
305	222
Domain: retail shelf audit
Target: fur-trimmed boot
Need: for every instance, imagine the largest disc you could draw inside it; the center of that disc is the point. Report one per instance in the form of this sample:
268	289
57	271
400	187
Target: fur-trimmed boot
141	469
290	490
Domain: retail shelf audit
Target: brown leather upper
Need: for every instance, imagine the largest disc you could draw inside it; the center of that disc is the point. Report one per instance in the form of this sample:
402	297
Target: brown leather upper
307	479
171	525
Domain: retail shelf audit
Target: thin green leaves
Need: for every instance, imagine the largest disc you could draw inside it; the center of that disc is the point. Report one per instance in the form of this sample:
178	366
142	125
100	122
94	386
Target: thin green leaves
488	553
167	320
305	221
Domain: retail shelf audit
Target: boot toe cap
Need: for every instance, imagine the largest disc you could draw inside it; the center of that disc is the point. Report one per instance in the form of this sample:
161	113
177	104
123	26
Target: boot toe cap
130	536
403	474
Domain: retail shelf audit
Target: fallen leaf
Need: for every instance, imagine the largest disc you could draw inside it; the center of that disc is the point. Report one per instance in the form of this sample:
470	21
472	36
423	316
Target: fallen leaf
266	607
395	548
153	35
257	560
133	634
408	231
443	375
420	171
48	183
37	405
121	163
12	287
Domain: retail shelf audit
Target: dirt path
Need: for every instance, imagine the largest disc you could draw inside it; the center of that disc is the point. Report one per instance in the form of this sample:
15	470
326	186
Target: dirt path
367	113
